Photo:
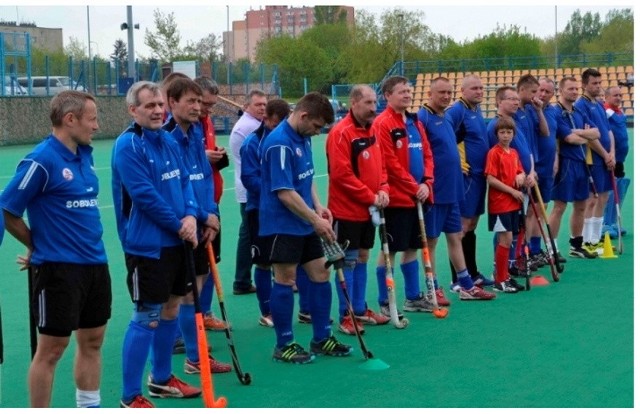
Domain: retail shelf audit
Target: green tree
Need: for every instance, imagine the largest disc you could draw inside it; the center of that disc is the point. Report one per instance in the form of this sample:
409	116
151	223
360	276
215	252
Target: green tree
76	49
616	34
207	49
119	56
329	15
579	29
164	42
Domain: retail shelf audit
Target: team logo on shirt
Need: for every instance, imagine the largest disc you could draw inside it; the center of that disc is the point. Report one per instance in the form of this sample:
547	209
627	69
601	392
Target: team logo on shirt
366	155
67	174
398	144
298	152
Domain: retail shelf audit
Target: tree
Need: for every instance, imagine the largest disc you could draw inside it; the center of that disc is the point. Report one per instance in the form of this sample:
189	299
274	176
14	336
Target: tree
119	56
165	41
329	15
207	49
76	49
615	34
579	29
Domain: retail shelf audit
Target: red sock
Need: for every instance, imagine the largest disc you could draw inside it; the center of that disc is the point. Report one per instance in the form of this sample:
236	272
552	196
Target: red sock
502	264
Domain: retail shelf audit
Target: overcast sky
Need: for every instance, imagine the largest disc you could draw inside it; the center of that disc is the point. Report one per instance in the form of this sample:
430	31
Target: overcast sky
195	21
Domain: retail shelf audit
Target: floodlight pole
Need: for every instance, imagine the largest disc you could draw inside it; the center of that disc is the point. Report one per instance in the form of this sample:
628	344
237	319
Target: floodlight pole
131	59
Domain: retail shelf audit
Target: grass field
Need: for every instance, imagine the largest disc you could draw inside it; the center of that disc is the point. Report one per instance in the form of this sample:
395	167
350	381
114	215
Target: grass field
568	344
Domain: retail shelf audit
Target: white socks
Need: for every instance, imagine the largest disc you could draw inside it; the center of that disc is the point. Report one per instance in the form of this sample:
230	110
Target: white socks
87	399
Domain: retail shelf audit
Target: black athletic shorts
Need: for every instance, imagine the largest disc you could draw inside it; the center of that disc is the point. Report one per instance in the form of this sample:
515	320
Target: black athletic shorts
284	248
69	296
501	222
154	280
361	235
403	228
259	245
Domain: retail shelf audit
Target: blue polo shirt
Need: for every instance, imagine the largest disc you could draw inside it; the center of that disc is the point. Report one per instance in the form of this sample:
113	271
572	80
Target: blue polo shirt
524	122
469	126
448	182
596	113
59	191
618	124
547	145
568	120
250	166
286	164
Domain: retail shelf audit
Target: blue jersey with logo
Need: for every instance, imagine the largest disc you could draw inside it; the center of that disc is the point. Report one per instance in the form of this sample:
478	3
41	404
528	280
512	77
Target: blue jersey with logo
567	121
519	143
471	132
59	191
250	166
524	123
546	145
618	124
416	157
200	173
286	164
151	190
596	113
448	181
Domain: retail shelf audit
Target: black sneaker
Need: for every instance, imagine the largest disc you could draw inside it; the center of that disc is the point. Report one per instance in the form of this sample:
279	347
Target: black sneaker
540	260
581	252
384	309
293	353
512	282
504	287
330	346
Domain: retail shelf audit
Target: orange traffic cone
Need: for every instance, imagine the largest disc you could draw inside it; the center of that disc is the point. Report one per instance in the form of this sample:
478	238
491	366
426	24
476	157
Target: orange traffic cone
538	280
608	248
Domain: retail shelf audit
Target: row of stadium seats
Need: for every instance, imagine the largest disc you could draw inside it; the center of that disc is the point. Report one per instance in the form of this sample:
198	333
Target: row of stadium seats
492	80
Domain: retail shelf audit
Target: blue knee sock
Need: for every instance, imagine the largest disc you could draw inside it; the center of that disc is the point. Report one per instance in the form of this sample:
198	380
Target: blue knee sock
348	279
302	282
410	271
359	288
535	244
206	294
464	279
282	312
320	307
187	323
262	279
135	351
162	347
381	277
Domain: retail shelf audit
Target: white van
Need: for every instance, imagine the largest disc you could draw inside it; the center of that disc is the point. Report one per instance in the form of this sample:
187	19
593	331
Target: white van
12	87
39	84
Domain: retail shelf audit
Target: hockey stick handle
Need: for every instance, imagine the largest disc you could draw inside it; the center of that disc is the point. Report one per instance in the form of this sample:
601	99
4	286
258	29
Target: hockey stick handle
389	282
554	248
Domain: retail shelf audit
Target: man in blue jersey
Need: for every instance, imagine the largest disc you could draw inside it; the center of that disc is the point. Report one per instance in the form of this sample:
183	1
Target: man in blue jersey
471	136
603	160
185	98
276	111
571	183
448	192
156	212
294	219
618	124
57	185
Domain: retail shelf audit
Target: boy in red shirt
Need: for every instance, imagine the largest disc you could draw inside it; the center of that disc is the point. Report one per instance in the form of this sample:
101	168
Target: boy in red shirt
505	176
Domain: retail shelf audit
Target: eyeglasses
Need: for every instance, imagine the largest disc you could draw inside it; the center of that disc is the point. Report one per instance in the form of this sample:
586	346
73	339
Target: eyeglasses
513	98
207	104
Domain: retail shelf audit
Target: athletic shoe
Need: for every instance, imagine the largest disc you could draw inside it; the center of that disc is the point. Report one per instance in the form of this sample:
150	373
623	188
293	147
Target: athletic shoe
514	284
421	304
211	323
266	320
179	347
293	353
581	253
441	298
591	248
346	326
504	287
540	259
174	388
138	402
519	268
372	318
217	367
476	293
384	309
244	291
331	347
306	318
482	280
454	288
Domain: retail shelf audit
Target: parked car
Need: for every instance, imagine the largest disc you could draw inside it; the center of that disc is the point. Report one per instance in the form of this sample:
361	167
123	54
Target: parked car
39	84
12	87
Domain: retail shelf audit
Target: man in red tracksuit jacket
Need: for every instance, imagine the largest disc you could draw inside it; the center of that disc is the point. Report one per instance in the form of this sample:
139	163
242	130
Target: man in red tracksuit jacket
409	163
357	182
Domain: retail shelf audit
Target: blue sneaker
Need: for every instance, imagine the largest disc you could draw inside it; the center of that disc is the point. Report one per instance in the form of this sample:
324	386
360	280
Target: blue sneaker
482	280
454	287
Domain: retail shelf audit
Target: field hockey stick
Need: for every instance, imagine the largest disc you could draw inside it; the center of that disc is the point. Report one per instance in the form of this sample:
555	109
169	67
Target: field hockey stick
391	286
206	379
438	312
522	237
33	335
616	198
243	377
554	249
335	257
545	239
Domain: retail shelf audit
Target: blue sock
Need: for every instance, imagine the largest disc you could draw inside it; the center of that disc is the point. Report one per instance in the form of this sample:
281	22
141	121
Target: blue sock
320	303
381	277
464	279
302	282
262	279
135	351
410	271
282	312
348	280
359	288
436	286
512	249
162	347
534	243
187	322
206	294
